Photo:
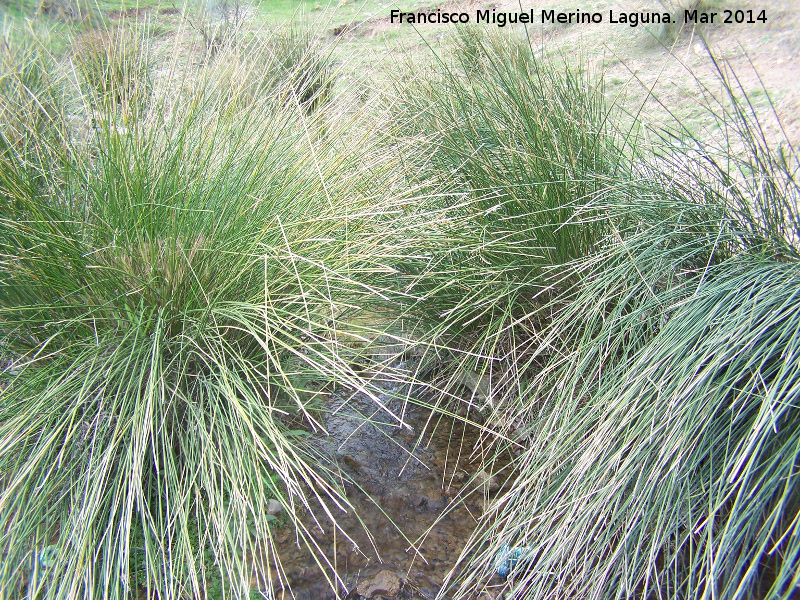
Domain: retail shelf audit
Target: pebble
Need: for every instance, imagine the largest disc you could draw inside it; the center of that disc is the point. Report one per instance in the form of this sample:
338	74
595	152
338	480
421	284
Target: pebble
352	462
437	505
274	507
487	481
385	583
418	500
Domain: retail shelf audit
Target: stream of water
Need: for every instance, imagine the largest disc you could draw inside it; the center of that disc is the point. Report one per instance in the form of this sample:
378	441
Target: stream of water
410	523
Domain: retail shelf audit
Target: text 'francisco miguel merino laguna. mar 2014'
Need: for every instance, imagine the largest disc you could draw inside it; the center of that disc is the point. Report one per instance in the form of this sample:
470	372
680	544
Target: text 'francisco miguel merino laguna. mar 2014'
577	17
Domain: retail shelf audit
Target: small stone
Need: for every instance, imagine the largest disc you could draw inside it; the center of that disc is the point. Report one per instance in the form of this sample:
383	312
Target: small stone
274	507
352	462
479	385
487	481
418	500
452	491
396	504
385	583
437	505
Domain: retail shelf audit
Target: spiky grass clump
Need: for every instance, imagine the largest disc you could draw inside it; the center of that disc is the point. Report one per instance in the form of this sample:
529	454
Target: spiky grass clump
661	443
77	12
304	71
520	149
662	462
31	102
114	65
288	65
670	33
166	300
516	137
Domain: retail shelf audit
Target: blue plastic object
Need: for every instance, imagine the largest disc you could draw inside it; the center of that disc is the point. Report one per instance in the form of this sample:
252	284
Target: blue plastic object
507	558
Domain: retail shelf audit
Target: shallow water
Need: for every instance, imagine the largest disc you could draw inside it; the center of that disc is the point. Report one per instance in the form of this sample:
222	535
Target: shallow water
409	480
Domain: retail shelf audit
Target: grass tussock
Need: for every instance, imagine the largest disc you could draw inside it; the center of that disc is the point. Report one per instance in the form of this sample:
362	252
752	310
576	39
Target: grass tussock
170	300
520	149
31	103
115	68
304	71
679	29
650	384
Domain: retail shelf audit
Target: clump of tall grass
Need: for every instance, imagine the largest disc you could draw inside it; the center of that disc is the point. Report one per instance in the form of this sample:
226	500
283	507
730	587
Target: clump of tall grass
670	33
115	68
469	48
31	102
303	70
520	148
647	363
169	299
660	458
219	22
289	63
73	11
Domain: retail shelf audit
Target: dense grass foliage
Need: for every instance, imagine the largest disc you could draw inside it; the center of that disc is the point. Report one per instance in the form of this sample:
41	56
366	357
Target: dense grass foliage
170	297
659	458
31	105
304	71
674	476
651	382
114	66
521	150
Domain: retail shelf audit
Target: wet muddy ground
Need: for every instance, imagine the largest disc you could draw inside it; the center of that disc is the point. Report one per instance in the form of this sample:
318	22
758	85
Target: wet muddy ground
411	518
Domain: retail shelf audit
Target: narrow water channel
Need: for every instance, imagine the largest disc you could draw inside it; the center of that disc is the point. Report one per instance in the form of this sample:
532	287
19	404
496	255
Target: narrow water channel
411	519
